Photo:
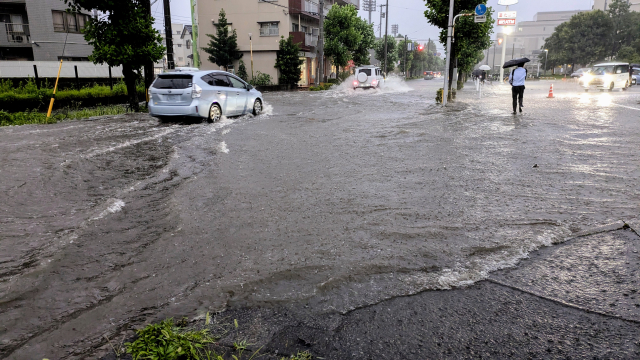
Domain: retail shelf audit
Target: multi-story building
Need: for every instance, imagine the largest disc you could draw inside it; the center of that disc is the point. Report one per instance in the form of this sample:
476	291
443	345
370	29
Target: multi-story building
527	38
264	22
182	47
604	4
37	30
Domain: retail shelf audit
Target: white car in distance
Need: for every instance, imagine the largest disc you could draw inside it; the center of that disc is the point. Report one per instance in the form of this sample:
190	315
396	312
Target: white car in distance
367	77
607	76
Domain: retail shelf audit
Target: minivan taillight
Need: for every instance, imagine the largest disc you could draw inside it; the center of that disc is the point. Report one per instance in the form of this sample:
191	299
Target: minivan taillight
196	92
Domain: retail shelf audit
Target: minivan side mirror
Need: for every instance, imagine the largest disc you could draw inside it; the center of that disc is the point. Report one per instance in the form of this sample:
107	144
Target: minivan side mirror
249	87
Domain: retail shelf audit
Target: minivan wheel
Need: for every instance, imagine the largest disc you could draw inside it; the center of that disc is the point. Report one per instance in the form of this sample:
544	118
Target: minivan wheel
257	107
215	113
626	86
611	87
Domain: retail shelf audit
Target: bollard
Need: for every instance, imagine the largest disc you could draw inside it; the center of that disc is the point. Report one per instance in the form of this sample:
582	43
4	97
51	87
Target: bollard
75	67
35	71
110	79
550	92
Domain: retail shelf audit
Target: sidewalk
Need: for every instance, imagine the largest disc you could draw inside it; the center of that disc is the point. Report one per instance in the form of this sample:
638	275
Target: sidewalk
579	299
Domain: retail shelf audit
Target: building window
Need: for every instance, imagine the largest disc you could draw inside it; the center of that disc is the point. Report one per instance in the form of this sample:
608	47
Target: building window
269	29
68	22
179	59
179	45
295	28
188	44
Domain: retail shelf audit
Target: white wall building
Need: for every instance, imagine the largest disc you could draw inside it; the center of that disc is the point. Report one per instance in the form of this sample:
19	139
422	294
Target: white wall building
182	55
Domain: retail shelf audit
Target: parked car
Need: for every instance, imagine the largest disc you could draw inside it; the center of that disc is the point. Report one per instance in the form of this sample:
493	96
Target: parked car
635	78
204	94
429	75
367	77
580	72
607	76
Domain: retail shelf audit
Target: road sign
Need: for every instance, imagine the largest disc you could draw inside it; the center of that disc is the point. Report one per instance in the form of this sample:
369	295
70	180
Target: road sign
507	14
481	9
481	19
507	2
506	22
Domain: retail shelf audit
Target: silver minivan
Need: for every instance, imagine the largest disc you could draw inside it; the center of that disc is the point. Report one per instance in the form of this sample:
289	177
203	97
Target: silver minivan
607	76
204	94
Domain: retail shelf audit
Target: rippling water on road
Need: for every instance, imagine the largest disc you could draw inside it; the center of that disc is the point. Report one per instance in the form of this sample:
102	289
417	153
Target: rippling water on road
335	199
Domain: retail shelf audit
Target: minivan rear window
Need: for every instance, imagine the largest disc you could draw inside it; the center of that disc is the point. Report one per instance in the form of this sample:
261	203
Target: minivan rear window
173	81
366	71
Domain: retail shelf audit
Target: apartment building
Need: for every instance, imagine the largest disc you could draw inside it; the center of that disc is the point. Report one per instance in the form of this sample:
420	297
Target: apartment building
264	22
182	56
604	4
37	29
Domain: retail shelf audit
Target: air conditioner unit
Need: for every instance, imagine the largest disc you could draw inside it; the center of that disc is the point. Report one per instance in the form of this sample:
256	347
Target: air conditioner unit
315	31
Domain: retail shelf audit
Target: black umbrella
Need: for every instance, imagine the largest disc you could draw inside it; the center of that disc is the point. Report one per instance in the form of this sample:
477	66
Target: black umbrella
515	62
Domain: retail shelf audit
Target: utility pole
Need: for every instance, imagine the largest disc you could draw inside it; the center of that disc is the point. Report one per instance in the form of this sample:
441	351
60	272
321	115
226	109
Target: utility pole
168	35
321	45
382	14
445	89
370	6
386	30
504	49
148	66
406	46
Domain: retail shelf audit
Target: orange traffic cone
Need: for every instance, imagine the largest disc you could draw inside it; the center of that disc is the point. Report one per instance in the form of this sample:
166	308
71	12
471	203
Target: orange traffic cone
550	92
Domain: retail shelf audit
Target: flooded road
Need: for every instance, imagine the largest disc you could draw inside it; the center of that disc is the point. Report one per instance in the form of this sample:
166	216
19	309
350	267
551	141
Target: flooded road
334	199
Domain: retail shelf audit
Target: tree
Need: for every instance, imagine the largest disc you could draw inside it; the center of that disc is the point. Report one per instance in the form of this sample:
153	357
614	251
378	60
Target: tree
341	34
628	54
223	48
242	71
123	37
288	61
470	38
392	53
360	53
619	12
584	39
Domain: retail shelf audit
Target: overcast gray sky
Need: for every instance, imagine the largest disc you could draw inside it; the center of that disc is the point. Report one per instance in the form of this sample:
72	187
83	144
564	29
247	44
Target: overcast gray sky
408	14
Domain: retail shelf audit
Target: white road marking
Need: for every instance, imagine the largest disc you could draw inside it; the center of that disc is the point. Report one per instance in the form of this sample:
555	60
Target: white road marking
624	106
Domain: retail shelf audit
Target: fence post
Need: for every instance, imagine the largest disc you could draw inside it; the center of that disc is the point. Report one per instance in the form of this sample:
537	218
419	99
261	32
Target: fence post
110	79
75	67
35	70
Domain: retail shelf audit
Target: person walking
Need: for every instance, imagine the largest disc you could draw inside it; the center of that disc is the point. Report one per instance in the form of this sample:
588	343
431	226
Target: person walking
516	79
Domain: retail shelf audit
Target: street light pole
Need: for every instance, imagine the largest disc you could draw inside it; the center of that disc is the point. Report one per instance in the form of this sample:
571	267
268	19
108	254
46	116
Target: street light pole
504	49
251	50
386	31
546	55
445	89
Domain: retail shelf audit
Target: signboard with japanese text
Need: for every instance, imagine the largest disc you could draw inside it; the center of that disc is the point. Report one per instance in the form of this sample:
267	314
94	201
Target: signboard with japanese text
506	22
507	14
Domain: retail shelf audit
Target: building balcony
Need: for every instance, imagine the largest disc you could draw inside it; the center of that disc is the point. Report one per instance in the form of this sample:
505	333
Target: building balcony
306	8
356	3
13	34
306	41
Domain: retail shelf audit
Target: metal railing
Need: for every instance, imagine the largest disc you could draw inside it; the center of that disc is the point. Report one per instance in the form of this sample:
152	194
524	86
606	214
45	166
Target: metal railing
271	31
310	7
18	33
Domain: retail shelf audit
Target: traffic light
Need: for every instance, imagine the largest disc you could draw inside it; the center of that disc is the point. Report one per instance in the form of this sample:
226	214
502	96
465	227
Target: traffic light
499	41
420	47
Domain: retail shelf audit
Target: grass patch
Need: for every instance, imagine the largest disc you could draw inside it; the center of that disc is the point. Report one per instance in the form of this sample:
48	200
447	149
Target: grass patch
35	117
321	87
178	341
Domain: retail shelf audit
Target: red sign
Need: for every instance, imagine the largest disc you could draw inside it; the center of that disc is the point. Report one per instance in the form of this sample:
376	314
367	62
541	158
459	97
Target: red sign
506	22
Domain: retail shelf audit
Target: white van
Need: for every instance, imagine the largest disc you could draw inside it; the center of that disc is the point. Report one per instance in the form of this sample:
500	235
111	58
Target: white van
607	76
367	77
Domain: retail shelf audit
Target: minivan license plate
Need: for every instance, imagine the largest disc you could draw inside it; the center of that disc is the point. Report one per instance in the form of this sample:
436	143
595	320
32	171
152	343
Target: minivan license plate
173	97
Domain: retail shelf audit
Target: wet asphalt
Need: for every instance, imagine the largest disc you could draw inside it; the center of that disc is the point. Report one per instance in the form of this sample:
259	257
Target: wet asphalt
318	215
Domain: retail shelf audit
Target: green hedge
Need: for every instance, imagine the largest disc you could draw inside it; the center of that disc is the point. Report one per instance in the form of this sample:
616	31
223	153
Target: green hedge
27	96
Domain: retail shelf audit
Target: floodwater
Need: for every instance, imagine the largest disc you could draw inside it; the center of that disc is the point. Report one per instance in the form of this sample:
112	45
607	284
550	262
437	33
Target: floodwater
333	199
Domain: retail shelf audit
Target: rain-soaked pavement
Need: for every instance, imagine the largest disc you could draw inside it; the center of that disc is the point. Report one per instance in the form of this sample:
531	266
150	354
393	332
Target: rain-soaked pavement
335	200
